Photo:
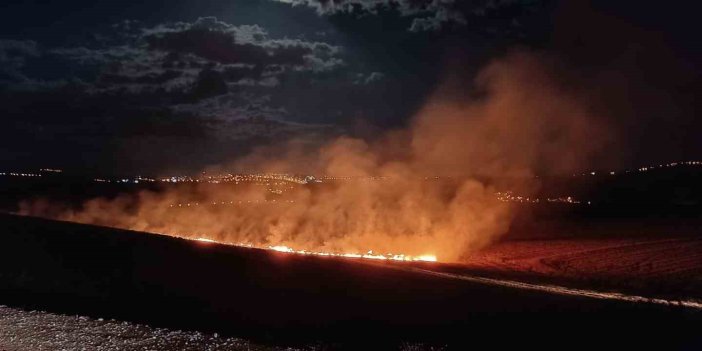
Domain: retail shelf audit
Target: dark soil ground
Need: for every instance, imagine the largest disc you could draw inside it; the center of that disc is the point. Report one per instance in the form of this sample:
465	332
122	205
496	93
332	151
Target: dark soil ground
279	298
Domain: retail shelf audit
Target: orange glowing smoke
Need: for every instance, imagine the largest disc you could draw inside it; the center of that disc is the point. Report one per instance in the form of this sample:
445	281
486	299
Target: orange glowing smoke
522	121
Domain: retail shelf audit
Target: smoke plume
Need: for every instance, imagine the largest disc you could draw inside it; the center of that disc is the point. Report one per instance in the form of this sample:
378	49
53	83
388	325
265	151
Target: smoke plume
517	119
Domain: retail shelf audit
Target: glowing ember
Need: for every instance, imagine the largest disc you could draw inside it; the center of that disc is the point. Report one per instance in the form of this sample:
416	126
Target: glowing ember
368	255
281	248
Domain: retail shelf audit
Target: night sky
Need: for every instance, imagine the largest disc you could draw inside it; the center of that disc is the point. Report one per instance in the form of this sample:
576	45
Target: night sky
150	87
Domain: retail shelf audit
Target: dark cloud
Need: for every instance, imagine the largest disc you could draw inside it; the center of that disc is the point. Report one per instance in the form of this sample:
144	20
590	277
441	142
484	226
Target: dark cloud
146	78
370	78
427	15
209	83
13	56
431	13
223	43
173	56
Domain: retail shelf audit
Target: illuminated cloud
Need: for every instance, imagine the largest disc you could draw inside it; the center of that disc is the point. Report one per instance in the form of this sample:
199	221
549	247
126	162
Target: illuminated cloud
224	43
427	15
173	56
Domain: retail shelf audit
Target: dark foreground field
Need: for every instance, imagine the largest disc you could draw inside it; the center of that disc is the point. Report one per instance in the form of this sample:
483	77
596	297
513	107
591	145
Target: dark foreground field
288	299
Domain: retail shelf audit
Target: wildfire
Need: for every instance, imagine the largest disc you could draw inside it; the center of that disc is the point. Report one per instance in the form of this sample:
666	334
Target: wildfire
368	255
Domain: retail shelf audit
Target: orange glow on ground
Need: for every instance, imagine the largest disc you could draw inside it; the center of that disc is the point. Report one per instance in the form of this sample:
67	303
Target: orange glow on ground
368	255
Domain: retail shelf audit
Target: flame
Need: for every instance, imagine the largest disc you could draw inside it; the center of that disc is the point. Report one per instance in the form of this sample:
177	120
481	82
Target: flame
369	255
281	248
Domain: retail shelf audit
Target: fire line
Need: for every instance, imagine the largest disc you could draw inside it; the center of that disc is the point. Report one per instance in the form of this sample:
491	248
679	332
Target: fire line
368	255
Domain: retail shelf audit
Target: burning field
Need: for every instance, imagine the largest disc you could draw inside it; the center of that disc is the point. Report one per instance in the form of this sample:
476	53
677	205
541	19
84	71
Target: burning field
524	121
